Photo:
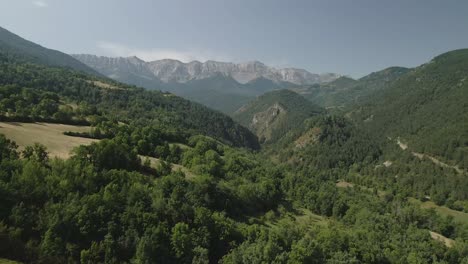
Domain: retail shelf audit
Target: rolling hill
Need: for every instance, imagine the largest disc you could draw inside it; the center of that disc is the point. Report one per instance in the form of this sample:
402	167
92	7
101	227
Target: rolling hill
273	114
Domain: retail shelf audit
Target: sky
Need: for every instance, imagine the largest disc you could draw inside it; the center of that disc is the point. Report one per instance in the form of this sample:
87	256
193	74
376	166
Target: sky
347	37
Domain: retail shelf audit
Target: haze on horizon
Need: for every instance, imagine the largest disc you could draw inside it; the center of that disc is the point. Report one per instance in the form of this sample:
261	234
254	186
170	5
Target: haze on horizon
346	37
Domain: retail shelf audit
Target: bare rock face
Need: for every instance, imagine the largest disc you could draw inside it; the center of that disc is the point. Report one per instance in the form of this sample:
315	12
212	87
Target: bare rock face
117	68
263	122
168	70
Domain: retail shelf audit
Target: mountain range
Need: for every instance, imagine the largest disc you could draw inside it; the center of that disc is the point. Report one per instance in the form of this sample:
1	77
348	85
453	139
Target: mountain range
223	86
168	70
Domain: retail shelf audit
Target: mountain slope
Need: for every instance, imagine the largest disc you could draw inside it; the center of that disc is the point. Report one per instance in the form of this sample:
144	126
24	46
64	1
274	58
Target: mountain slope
427	108
14	45
345	91
272	115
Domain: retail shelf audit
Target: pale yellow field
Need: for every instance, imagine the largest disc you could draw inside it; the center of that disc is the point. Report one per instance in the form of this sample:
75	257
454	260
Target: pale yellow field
447	241
50	135
344	184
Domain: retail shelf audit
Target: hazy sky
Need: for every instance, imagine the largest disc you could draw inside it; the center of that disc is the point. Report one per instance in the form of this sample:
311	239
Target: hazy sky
348	37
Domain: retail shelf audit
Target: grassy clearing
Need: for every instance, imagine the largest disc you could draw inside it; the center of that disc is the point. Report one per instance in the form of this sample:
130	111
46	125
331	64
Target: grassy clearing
301	217
154	162
180	145
105	85
60	145
306	217
447	241
344	184
50	135
458	216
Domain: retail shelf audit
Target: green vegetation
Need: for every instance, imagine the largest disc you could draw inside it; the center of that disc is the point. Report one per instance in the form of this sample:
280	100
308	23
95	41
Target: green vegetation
420	178
102	205
139	212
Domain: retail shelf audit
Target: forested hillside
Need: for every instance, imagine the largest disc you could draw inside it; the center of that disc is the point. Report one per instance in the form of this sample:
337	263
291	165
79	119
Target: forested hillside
345	92
425	109
33	92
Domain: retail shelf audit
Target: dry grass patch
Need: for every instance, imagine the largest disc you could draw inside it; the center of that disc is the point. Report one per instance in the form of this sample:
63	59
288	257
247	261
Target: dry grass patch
458	216
309	137
447	241
301	217
105	85
344	184
47	134
306	217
